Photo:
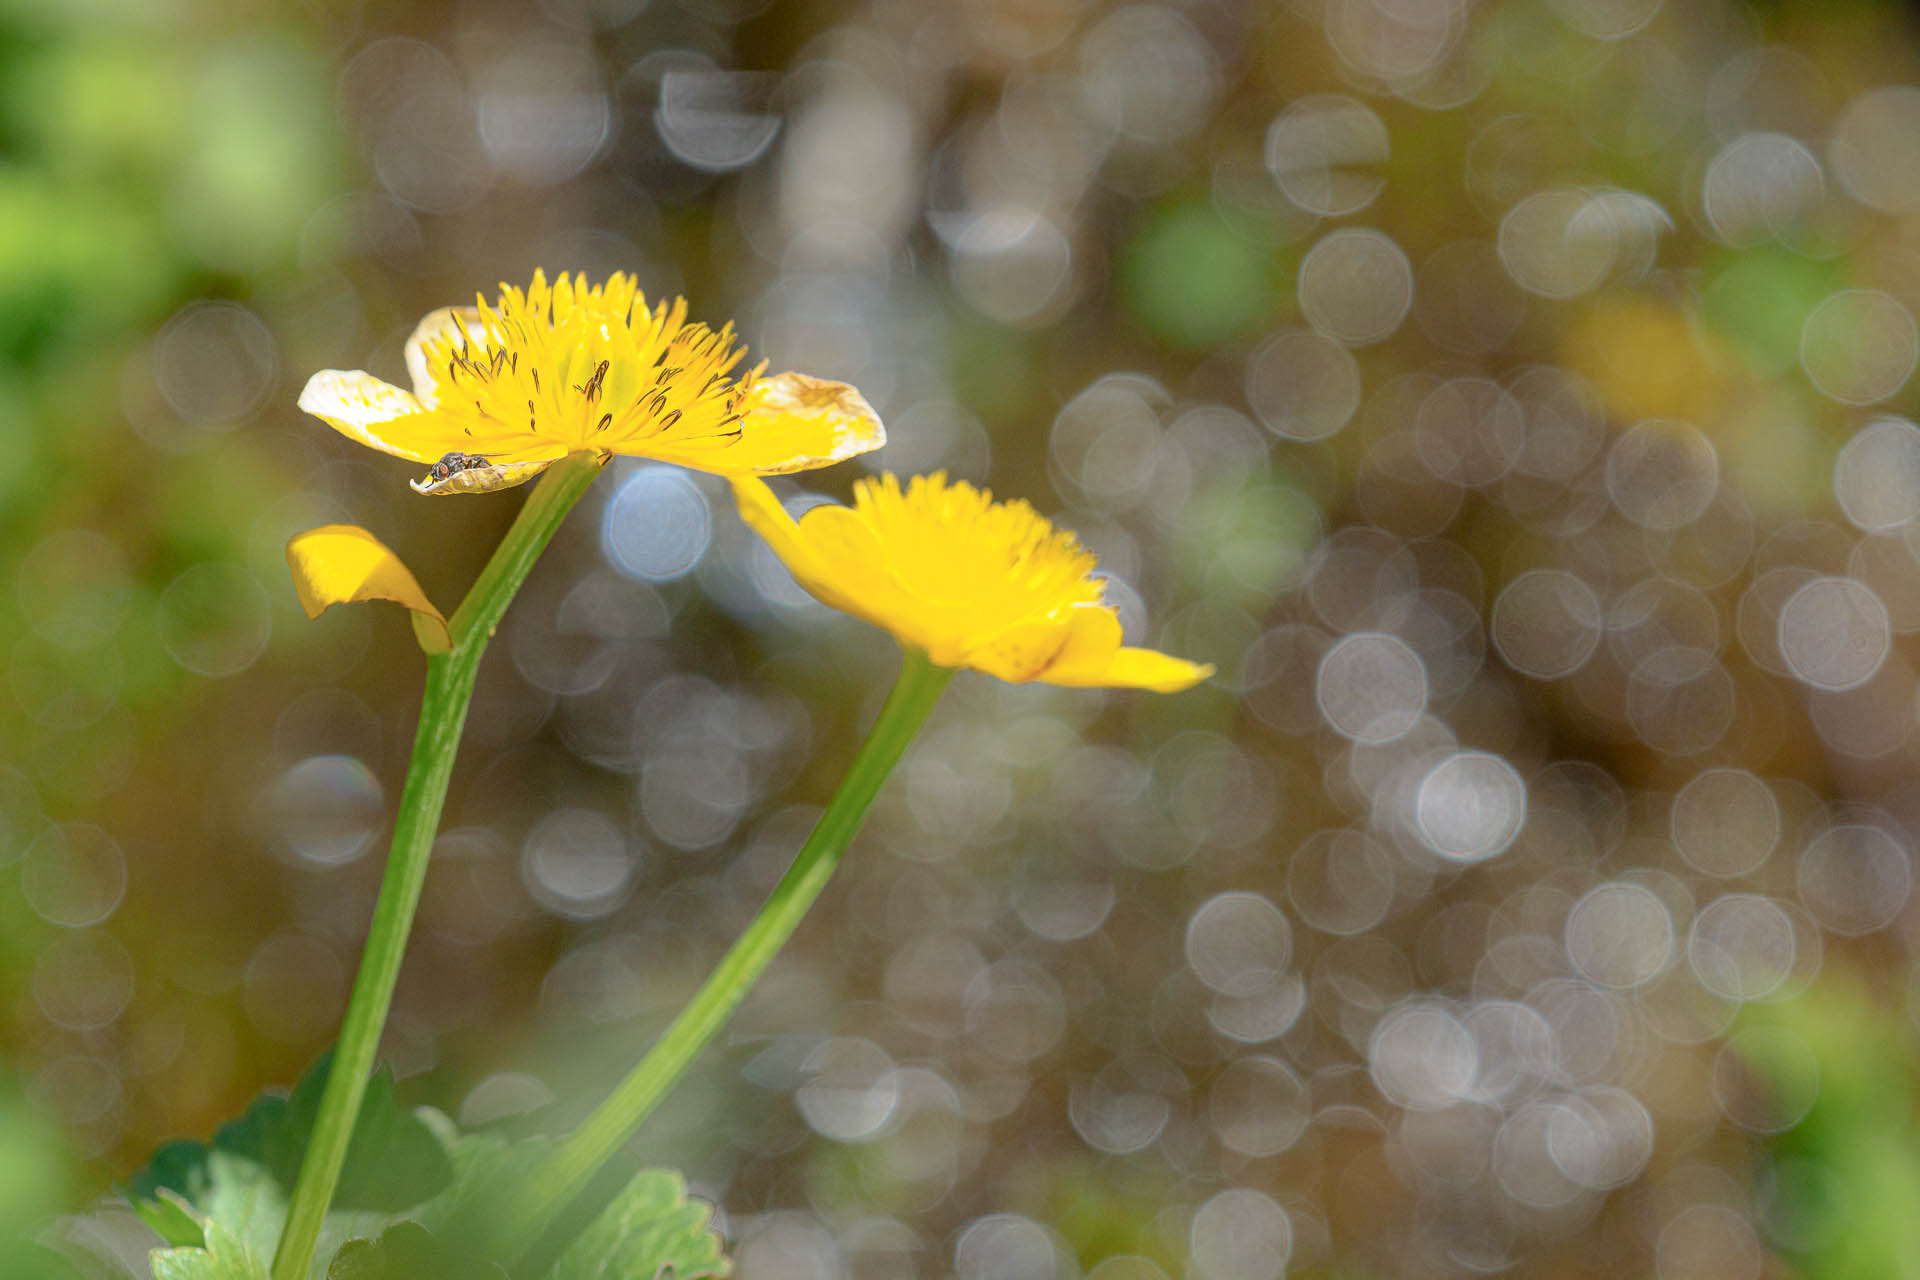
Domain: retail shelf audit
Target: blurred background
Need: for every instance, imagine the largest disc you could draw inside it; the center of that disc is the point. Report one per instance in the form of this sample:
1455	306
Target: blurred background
1508	397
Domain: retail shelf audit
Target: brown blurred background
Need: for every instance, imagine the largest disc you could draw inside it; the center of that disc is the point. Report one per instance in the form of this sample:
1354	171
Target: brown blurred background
1508	397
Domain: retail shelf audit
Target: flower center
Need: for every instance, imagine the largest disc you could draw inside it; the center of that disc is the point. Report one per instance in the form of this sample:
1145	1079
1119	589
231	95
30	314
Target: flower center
996	562
589	367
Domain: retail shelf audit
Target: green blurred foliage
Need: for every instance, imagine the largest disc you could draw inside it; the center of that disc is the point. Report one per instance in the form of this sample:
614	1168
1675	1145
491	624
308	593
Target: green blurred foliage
37	1178
154	154
1196	280
1759	299
1839	1198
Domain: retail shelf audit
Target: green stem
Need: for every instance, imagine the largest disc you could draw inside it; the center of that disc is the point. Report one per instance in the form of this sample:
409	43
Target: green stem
566	1172
443	711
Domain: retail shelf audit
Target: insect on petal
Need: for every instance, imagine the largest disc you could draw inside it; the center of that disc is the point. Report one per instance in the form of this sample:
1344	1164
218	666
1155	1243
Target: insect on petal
482	479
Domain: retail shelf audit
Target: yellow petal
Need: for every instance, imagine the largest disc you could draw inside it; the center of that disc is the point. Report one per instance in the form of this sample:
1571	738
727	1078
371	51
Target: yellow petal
378	415
835	555
790	422
1147	669
859	577
1025	652
455	326
763	513
1093	656
343	563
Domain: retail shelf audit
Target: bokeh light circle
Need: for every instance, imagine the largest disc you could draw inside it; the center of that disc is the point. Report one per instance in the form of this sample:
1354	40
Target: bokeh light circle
1620	935
1325	151
1859	346
1663	474
1725	822
1470	806
1855	877
1240	1234
577	864
1372	687
1238	943
1834	633
1546	623
1303	385
1876	477
1742	946
657	525
1356	286
215	620
327	809
1875	148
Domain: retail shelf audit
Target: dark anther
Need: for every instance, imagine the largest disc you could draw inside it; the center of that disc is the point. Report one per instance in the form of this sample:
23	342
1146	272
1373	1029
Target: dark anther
592	388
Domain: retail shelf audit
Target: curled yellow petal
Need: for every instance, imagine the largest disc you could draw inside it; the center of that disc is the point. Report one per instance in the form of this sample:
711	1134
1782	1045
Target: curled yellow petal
477	475
343	563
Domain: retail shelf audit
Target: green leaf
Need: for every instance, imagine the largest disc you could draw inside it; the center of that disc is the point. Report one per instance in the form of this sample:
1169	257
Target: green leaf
416	1191
242	1179
487	1169
650	1226
243	1200
408	1251
394	1163
225	1257
172	1217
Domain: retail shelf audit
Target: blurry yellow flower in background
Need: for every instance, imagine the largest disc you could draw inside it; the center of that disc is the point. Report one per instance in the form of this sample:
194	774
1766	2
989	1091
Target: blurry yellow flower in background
501	392
1649	358
972	582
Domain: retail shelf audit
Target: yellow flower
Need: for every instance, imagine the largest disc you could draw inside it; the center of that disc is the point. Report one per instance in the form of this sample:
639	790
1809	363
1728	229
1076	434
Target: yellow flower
502	392
972	582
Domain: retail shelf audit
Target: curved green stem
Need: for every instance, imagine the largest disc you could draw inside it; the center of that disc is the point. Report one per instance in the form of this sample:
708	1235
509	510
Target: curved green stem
443	711
566	1172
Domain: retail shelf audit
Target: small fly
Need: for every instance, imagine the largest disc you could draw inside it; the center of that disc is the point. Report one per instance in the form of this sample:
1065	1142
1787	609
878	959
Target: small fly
453	463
